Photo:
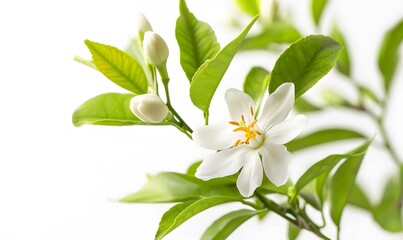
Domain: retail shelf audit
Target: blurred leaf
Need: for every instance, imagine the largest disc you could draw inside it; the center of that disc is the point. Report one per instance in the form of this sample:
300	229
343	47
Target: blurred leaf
107	109
293	231
209	75
343	181
256	83
343	62
197	41
192	168
322	137
276	32
225	225
176	187
320	186
367	92
317	7
311	199
250	7
388	213
119	67
304	63
326	164
359	199
302	105
182	212
389	55
268	187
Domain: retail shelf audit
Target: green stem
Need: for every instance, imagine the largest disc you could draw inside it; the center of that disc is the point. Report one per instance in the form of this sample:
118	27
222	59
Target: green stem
86	62
301	220
387	143
182	125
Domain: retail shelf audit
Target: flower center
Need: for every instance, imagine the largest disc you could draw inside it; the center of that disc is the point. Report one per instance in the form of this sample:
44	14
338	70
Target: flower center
249	130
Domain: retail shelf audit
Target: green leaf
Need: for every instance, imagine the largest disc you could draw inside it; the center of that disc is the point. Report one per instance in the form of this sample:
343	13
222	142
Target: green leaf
388	213
359	199
182	212
119	67
276	32
304	63
389	55
256	83
317	7
327	164
250	7
175	187
209	75
320	186
368	93
107	109
343	62
342	184
293	231
322	137
135	50
302	105
197	41
225	225
192	168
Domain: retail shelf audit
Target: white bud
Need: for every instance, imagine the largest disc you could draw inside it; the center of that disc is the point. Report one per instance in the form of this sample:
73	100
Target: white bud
142	25
149	108
155	49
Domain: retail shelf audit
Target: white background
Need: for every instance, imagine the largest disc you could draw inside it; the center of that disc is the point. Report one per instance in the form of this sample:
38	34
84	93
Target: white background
61	182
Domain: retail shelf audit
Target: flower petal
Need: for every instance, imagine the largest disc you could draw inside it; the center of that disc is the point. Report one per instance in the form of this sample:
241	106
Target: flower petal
239	103
221	164
277	107
286	131
215	137
251	174
276	163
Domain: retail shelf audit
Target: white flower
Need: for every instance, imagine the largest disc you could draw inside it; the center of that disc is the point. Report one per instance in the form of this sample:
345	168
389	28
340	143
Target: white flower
142	25
248	141
155	49
149	108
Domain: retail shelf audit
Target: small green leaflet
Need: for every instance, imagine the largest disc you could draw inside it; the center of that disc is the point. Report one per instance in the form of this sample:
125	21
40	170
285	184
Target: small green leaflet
359	199
389	55
182	212
343	181
256	83
227	224
343	62
276	32
175	187
317	7
250	7
304	63
209	75
293	231
107	109
321	137
119	67
197	41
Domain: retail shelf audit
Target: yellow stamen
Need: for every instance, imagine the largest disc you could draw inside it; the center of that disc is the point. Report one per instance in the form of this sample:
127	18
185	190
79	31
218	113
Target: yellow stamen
237	142
234	123
249	130
251	110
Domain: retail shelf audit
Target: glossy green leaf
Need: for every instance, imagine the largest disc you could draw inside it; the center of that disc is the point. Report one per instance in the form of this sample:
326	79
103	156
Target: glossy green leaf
327	164
276	32
293	231
182	212
388	213
343	62
256	83
322	137
134	49
342	183
176	187
302	105
304	63
119	67
250	7
209	75
107	109
197	41
359	198
317	7
227	224
389	55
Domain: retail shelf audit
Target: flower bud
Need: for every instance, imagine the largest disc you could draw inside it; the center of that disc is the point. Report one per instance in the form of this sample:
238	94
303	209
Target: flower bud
155	49
143	25
149	108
